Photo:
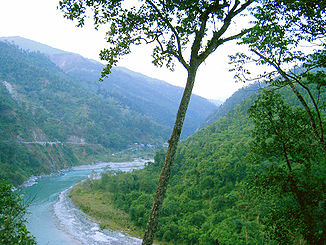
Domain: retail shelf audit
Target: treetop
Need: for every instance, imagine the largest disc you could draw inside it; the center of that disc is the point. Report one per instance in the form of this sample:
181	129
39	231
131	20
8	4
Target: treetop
170	25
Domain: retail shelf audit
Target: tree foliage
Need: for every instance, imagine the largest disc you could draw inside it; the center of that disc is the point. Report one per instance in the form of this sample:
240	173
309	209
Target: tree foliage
12	220
173	26
288	39
292	180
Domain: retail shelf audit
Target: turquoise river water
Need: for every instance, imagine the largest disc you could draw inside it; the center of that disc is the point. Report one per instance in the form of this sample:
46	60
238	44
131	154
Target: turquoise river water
54	220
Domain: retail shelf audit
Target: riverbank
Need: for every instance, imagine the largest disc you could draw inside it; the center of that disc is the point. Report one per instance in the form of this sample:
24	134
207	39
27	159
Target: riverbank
115	163
100	208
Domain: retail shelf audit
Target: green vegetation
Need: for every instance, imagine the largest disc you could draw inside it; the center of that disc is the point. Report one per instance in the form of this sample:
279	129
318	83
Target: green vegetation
233	101
207	199
45	115
232	183
42	103
99	205
255	176
12	211
147	96
47	97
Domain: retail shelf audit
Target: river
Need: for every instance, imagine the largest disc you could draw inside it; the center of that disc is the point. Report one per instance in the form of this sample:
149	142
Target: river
54	220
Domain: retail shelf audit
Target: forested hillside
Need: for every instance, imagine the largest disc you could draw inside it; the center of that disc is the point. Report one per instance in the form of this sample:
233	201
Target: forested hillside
230	182
151	97
48	121
207	190
235	99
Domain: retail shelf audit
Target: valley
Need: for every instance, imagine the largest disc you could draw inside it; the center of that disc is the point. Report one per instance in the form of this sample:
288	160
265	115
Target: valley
250	171
54	116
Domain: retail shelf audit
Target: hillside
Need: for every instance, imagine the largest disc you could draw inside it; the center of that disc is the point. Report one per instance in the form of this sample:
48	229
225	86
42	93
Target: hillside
230	183
235	99
202	203
150	97
48	121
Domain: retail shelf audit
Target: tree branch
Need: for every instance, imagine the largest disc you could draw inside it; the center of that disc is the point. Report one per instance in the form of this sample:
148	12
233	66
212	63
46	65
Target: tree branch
299	96
215	40
174	31
200	34
314	103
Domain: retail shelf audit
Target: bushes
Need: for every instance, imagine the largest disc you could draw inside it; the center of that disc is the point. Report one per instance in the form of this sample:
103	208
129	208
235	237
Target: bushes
12	211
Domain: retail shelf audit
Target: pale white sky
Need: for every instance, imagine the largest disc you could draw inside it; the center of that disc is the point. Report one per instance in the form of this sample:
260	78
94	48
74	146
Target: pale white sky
39	20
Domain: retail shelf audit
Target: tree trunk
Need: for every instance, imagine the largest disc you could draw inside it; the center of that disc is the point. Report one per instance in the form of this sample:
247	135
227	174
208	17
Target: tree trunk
152	223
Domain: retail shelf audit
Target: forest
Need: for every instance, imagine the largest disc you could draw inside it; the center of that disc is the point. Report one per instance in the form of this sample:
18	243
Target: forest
43	104
253	174
242	193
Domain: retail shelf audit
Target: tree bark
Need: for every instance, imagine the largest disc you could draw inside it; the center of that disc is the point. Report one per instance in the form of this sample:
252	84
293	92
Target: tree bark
152	223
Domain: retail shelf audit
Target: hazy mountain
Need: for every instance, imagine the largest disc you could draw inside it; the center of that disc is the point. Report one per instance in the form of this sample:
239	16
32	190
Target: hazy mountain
216	102
151	97
30	45
49	121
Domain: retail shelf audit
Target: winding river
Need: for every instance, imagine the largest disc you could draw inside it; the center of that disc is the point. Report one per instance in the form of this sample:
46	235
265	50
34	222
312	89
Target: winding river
54	220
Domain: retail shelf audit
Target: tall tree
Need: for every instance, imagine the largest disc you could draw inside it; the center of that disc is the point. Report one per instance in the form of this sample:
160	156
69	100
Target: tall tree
187	31
288	39
291	179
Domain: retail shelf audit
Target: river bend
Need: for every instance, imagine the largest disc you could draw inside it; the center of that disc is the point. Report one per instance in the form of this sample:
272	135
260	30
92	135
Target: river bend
54	220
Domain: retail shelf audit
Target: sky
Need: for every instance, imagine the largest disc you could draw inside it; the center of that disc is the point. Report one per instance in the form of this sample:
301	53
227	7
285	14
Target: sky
41	21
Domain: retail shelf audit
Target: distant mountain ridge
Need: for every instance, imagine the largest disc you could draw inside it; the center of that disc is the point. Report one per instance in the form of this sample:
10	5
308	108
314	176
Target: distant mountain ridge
151	97
30	45
235	99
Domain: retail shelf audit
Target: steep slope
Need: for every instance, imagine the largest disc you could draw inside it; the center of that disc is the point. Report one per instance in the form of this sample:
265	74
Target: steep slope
223	190
234	100
206	194
48	121
151	97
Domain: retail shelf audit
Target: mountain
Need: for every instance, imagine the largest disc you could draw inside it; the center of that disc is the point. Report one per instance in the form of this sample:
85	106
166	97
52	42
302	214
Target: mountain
48	121
216	102
235	99
30	45
151	97
54	113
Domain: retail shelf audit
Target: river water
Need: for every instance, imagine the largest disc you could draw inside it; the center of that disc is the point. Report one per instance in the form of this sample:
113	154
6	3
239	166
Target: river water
54	220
